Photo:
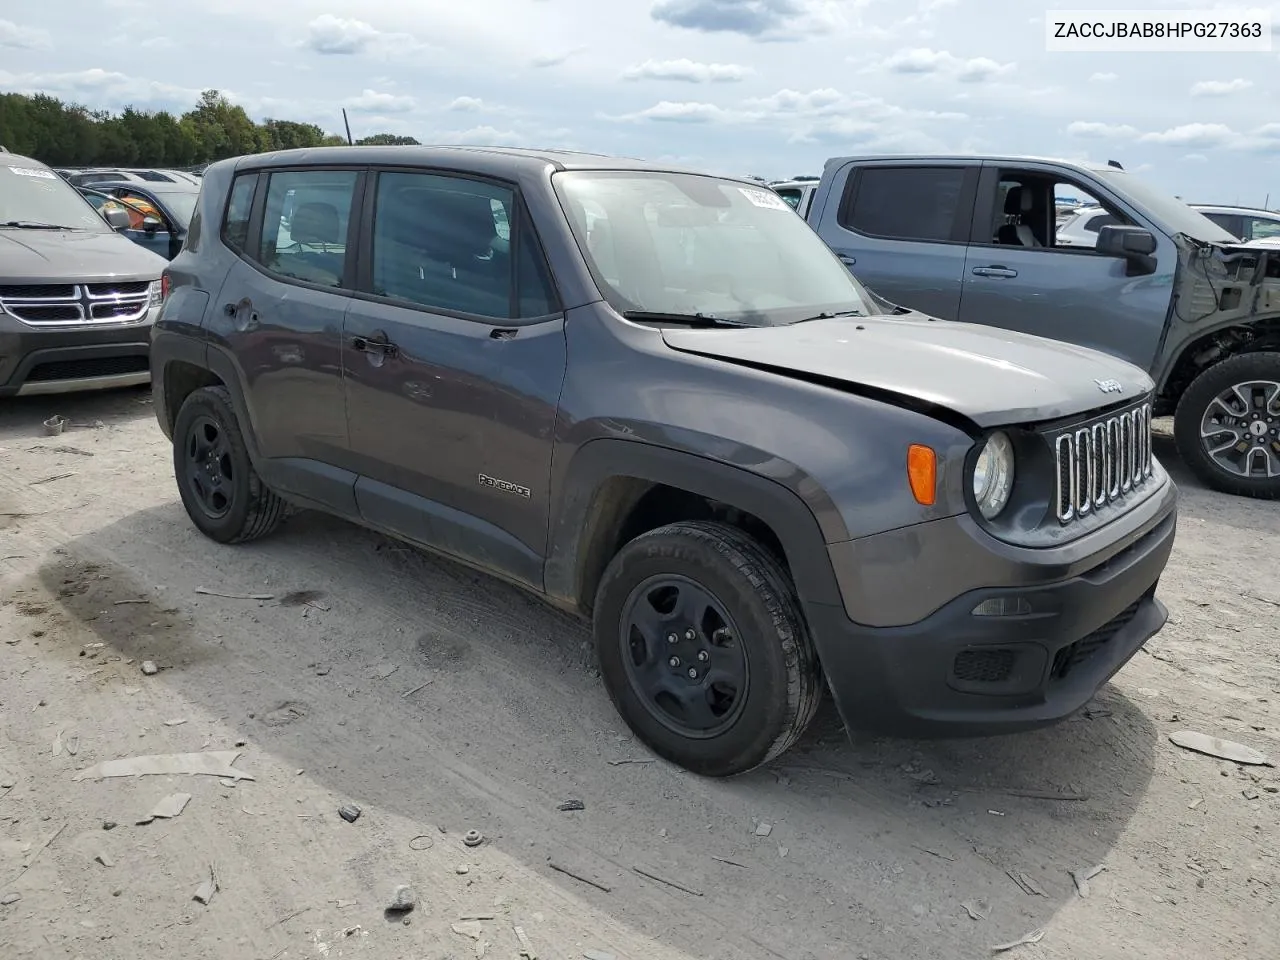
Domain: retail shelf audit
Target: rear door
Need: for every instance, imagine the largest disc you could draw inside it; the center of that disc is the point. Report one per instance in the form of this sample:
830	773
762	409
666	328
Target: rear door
901	228
279	316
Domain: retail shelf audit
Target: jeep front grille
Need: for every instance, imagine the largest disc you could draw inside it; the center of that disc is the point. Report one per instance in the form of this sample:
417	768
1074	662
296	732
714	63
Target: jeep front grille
1102	461
76	305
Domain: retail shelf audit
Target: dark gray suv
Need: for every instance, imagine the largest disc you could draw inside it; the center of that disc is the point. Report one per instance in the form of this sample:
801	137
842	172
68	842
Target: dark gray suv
658	400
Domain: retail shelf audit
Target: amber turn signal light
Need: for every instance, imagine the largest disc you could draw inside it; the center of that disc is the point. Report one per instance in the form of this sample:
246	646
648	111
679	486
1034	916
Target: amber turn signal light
922	471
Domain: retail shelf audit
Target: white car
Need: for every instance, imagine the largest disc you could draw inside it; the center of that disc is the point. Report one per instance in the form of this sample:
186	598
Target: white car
1081	228
798	192
1247	223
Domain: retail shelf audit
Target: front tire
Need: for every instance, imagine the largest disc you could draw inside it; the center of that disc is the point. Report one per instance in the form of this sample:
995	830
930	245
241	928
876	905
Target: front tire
703	648
1227	425
222	493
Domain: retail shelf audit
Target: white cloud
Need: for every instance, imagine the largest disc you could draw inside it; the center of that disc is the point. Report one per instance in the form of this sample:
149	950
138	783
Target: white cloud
761	20
23	38
374	102
1196	158
684	111
1101	131
923	61
1105	77
469	104
1194	135
1220	88
688	71
337	36
102	88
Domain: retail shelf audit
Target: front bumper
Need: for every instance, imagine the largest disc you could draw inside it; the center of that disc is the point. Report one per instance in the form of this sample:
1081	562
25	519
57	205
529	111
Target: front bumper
69	359
954	673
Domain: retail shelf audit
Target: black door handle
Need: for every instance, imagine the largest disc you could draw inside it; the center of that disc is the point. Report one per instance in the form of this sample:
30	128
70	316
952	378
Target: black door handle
379	345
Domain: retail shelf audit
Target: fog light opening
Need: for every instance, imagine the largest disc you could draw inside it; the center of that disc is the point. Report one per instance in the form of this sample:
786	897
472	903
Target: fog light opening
1003	607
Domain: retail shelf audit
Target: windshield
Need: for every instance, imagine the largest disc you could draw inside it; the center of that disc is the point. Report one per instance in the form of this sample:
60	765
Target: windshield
671	243
35	196
1166	209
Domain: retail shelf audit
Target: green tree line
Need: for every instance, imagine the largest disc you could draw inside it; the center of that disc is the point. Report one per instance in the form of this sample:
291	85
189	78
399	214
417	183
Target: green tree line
70	135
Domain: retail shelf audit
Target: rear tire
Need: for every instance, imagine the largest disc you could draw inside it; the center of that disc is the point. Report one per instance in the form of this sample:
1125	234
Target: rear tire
221	491
1236	398
740	682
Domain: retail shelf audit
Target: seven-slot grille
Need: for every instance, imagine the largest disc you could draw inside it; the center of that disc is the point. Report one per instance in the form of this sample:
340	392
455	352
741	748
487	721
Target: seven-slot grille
73	305
1102	461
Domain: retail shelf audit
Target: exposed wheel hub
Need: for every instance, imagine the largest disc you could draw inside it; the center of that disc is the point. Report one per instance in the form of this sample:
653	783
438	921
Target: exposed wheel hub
208	467
682	655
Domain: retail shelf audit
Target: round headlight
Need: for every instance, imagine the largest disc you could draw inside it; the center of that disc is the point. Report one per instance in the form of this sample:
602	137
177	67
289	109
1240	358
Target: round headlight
993	475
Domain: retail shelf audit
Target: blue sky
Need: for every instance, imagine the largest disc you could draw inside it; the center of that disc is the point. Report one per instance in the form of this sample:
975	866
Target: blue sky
769	87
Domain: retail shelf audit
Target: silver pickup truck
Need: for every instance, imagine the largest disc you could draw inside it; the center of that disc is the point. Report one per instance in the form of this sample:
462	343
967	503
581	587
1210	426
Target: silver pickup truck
973	239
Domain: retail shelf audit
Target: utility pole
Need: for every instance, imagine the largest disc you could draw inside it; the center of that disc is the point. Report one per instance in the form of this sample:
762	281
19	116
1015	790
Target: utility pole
347	123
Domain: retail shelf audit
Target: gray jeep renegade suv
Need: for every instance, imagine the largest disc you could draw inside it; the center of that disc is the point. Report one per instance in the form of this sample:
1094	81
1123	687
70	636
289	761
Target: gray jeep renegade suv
658	400
76	298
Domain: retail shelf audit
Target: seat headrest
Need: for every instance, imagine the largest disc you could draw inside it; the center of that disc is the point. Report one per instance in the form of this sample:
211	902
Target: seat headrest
462	222
315	222
1014	204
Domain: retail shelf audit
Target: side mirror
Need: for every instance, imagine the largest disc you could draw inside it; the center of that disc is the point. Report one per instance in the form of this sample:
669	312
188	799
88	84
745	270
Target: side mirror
151	224
1131	244
117	218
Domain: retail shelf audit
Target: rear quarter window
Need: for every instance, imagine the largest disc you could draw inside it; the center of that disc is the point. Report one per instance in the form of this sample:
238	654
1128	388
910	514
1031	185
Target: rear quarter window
235	222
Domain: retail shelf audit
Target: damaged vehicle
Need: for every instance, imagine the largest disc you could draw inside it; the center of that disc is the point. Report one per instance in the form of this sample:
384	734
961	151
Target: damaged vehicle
655	399
1150	280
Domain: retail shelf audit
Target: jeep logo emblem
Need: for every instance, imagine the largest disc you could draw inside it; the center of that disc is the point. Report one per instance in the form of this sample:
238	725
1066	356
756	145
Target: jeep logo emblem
1109	386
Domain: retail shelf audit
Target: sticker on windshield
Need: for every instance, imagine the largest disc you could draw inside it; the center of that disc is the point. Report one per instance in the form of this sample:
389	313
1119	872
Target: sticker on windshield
764	198
30	172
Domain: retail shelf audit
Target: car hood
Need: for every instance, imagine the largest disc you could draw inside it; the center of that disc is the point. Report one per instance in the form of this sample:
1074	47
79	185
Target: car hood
988	375
69	256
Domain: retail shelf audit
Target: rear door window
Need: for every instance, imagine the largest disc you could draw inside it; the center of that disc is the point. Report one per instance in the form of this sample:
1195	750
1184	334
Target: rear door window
906	203
304	225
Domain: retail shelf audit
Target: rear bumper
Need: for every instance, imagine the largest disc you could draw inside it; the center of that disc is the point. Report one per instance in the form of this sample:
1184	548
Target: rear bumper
69	359
956	673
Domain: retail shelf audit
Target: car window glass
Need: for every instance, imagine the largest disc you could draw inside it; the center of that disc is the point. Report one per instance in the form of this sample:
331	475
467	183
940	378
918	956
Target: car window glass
687	244
141	204
533	280
791	195
1259	228
1234	225
1030	207
906	203
1097	223
304	225
438	242
235	228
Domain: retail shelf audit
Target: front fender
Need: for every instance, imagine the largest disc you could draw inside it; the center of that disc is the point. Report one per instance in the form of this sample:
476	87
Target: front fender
582	509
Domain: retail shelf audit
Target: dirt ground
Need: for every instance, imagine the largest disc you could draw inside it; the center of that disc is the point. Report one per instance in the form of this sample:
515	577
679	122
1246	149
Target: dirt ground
439	701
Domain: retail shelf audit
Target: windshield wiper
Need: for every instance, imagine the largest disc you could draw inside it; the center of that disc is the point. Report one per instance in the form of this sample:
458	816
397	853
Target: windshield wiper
688	319
832	314
33	225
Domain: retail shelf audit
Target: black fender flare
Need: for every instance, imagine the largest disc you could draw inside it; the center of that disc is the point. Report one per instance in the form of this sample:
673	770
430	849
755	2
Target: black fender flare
574	524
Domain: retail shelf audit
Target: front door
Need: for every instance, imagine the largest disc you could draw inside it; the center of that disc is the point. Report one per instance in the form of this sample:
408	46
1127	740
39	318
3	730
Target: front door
453	359
1018	277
